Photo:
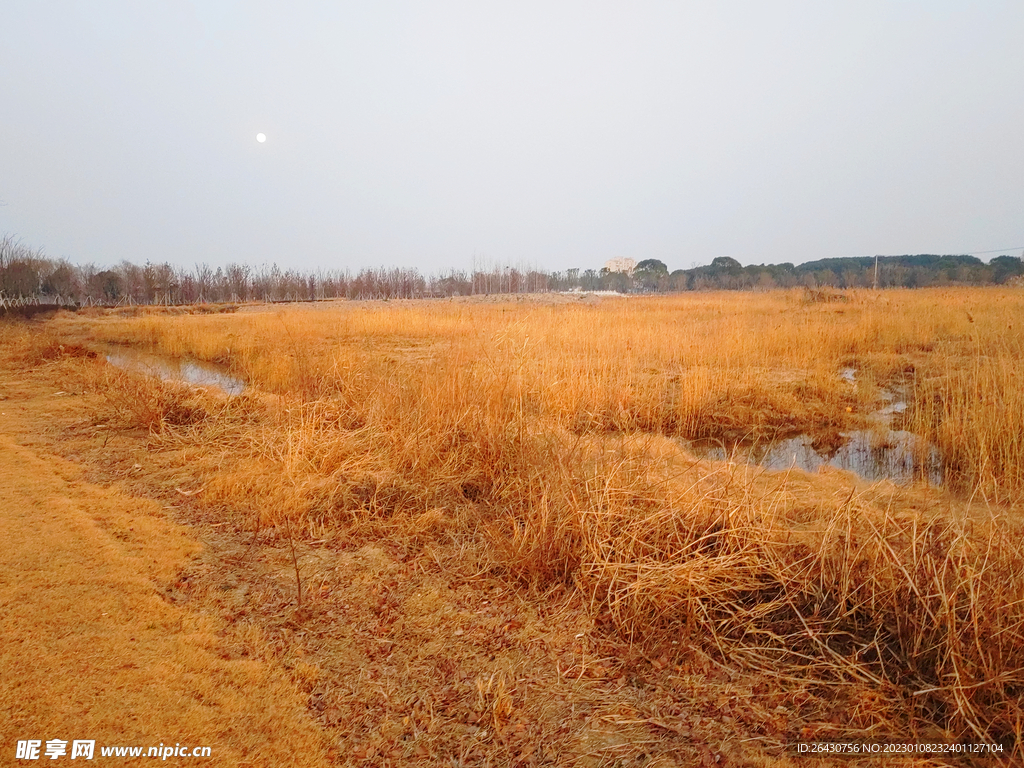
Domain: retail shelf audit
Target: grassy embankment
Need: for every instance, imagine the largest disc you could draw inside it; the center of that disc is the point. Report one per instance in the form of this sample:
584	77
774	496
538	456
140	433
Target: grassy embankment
540	437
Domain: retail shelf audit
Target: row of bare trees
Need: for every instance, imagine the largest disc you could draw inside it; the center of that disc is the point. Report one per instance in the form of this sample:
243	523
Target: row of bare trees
27	274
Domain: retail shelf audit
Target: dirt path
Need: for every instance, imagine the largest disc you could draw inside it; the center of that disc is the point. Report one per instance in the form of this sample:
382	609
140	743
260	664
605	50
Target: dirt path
90	650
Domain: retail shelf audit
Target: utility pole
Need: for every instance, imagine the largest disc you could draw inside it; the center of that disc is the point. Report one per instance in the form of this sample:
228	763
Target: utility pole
876	272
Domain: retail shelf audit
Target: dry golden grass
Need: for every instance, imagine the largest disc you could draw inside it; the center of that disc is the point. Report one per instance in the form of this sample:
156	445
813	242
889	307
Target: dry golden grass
91	650
719	365
539	442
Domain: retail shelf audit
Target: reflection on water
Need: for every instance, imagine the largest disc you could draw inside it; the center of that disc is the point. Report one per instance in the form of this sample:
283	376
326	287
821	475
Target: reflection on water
169	369
895	455
882	453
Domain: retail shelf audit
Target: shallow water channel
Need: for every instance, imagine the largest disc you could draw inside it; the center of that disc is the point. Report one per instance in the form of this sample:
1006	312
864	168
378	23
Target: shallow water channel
172	369
877	453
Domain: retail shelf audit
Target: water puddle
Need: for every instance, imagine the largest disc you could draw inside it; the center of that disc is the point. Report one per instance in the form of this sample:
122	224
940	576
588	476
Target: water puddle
895	455
170	369
879	453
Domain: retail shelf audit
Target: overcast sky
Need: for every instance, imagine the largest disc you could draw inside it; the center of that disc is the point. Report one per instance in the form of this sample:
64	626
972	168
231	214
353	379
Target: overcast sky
554	134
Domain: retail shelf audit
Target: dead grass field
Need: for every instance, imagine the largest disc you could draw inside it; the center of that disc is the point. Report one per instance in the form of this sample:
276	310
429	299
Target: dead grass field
470	532
91	651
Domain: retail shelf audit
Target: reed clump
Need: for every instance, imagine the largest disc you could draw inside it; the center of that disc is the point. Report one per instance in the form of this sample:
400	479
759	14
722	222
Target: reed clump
973	408
155	406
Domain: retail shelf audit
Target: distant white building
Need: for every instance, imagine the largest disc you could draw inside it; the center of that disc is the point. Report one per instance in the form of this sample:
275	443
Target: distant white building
620	265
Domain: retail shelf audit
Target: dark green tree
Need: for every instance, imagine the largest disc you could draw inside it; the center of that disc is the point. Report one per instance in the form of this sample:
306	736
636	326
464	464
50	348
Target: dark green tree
650	274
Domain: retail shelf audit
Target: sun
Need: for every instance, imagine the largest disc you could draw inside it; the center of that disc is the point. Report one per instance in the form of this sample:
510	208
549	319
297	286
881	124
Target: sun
261	137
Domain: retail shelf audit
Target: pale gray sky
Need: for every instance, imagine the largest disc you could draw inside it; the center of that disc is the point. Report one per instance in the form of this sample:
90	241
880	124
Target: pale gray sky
557	134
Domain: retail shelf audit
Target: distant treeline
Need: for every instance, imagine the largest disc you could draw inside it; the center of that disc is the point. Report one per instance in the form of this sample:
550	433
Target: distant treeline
27	275
856	272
